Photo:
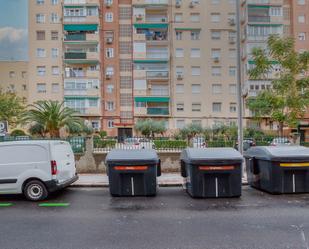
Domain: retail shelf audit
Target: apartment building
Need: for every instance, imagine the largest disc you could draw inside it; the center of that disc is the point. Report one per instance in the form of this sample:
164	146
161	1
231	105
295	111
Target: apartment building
260	19
14	78
203	63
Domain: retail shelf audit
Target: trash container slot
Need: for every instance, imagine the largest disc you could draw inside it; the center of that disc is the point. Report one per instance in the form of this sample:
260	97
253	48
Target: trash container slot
214	168
294	164
131	168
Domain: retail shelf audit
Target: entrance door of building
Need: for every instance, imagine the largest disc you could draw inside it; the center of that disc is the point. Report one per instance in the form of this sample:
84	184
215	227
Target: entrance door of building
123	133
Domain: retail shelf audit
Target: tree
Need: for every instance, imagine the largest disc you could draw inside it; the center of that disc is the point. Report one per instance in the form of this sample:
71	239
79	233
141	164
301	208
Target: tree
11	108
149	127
190	131
288	98
48	117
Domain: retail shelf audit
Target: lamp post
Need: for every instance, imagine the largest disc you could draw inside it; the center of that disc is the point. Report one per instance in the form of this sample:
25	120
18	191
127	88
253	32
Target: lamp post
239	80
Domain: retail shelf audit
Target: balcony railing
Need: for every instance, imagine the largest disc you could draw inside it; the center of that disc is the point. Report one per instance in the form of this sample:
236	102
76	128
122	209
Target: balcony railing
156	19
259	1
156	1
259	18
74	55
157	55
158	111
75	37
157	75
159	92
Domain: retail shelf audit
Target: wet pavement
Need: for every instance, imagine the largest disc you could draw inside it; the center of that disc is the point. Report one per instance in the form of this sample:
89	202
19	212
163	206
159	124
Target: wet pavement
91	218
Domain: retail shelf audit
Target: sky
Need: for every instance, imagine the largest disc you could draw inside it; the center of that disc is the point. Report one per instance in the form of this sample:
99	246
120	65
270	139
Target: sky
14	30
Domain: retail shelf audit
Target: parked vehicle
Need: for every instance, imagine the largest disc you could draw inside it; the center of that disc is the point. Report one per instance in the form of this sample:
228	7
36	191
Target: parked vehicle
36	168
199	142
280	141
138	143
247	144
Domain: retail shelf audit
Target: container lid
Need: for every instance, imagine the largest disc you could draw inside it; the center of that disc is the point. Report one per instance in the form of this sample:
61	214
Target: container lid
278	152
123	156
194	155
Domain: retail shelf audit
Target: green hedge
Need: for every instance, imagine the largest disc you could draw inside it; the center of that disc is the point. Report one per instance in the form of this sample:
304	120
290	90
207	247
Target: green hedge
99	143
170	144
220	143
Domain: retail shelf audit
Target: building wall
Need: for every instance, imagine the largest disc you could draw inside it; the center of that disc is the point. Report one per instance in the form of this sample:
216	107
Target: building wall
50	91
224	83
14	78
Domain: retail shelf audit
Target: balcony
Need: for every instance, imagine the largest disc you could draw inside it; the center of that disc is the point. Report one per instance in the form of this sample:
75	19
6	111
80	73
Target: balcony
81	57
259	19
92	92
83	37
157	55
149	2
260	2
81	2
159	92
80	19
91	111
82	74
157	75
160	111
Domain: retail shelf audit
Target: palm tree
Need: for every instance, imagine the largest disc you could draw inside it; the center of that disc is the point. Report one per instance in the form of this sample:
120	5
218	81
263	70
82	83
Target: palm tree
51	116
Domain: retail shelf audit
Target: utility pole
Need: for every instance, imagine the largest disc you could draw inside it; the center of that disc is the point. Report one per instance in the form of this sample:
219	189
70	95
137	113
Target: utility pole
239	80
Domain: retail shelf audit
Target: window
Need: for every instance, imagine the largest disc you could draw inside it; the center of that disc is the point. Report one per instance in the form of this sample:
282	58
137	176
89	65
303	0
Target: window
232	71
215	53
40	52
110	123
24	87
301	2
216	89
40	18
232	89
108	2
180	123
233	107
54	52
179	52
196	88
109	17
178	17
197	122
180	107
178	35
23	74
216	71
54	2
216	107
55	88
54	35
93	102
195	35
195	71
179	71
110	88
301	19
110	105
12	74
275	11
41	70
55	70
39	2
195	17
109	53
302	36
215	35
110	70
54	18
232	53
180	88
215	17
40	35
195	53
196	107
41	87
140	104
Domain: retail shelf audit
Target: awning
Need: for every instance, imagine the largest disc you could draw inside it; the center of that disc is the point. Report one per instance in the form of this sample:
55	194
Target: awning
151	25
80	27
266	25
251	62
253	6
152	99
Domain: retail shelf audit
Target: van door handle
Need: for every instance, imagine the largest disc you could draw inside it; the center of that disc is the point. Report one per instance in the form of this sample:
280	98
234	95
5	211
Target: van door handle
68	163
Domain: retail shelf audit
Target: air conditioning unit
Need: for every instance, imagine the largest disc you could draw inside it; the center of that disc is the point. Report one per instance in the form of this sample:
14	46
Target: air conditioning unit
109	40
216	59
108	4
178	4
232	21
108	76
179	76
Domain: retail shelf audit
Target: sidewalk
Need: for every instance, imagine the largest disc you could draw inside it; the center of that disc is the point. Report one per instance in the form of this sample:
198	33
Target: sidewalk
101	180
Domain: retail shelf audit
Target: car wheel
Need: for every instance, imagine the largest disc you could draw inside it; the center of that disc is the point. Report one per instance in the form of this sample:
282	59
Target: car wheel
35	191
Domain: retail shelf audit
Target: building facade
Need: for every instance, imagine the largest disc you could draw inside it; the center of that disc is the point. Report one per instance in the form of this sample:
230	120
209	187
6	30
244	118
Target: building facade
117	61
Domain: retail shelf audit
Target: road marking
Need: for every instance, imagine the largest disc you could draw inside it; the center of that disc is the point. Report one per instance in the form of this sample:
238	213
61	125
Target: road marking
54	204
217	187
6	204
132	185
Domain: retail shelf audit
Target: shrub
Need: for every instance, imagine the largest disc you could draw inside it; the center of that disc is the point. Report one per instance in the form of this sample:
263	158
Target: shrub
170	144
17	132
221	143
108	143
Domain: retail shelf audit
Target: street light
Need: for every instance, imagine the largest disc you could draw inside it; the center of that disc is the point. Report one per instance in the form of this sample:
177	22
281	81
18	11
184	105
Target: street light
239	81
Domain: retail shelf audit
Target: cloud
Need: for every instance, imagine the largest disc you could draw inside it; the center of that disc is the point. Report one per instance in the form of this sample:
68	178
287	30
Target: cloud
13	43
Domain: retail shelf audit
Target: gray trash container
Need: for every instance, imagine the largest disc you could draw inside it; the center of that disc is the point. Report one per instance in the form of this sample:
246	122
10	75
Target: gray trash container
133	172
212	172
278	169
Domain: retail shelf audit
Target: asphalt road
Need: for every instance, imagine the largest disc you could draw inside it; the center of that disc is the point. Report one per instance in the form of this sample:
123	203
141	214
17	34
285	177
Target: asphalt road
172	220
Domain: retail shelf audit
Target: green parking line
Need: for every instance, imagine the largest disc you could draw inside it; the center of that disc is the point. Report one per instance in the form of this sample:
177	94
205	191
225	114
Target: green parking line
6	204
54	204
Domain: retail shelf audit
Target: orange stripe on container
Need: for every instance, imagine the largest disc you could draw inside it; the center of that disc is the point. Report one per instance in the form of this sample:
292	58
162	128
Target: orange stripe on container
216	167
131	167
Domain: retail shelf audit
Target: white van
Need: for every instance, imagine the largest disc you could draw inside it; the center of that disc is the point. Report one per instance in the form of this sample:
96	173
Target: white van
36	168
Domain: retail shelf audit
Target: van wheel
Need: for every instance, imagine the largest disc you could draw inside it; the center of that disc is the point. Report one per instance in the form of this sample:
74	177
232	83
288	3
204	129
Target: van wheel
35	191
